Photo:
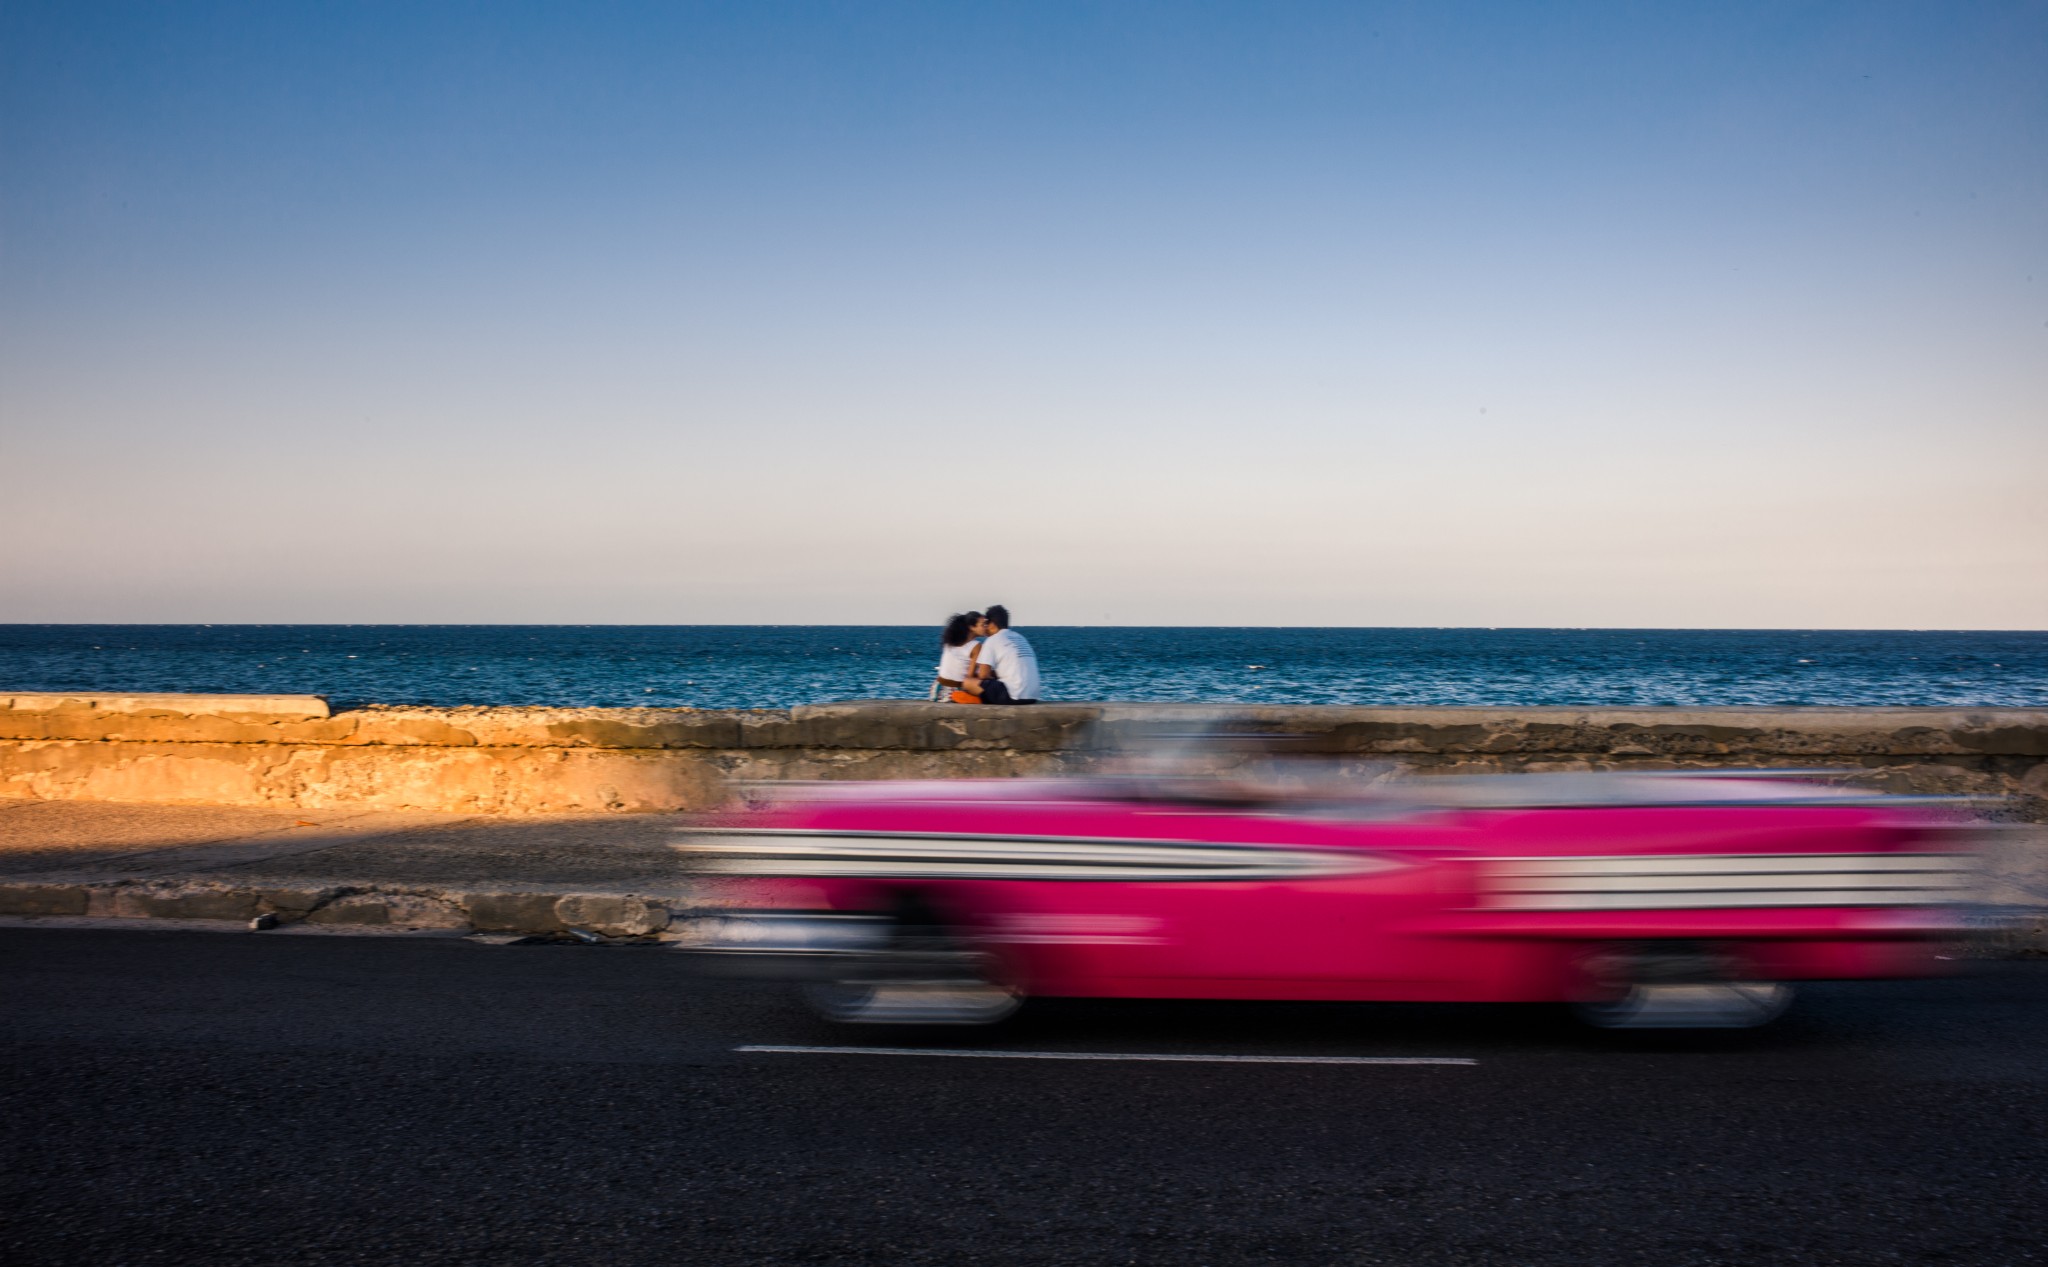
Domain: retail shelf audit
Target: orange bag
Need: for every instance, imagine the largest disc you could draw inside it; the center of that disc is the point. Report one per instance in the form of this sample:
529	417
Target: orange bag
973	659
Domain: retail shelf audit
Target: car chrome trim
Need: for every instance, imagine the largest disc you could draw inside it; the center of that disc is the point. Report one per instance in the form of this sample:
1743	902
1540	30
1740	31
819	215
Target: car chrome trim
1676	881
946	855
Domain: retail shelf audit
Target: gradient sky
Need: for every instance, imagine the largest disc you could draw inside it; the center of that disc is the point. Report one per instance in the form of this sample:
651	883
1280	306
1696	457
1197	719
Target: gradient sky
1182	313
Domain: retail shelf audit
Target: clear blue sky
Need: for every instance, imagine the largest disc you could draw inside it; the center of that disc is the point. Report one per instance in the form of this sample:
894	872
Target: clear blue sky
1267	313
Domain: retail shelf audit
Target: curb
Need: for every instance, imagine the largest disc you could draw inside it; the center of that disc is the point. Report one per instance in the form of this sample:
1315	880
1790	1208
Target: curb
368	905
1999	932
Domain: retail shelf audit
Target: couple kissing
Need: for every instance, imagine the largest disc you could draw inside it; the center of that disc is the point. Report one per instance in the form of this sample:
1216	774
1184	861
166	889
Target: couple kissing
984	661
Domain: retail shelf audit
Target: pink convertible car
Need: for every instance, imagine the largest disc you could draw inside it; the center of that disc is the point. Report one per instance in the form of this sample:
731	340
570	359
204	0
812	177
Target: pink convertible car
1642	900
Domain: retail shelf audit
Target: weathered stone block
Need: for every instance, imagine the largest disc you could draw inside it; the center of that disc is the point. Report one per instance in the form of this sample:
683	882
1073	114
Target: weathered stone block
42	899
512	912
409	729
612	916
2034	782
645	728
292	903
2027	741
401	910
237	904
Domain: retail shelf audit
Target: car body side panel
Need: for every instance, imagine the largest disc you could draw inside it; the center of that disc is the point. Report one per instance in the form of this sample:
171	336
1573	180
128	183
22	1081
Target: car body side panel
1406	912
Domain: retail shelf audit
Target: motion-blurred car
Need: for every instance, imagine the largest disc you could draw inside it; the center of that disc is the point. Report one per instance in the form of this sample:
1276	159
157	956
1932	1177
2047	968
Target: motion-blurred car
1641	900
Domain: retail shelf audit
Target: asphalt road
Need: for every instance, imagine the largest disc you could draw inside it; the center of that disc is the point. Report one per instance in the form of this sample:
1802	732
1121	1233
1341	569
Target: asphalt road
180	1097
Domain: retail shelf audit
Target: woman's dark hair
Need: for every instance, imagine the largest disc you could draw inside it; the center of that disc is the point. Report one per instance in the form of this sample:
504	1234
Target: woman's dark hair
960	629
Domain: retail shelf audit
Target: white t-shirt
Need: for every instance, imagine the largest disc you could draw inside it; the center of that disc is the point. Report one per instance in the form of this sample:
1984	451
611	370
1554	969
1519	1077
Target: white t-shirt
1014	662
954	661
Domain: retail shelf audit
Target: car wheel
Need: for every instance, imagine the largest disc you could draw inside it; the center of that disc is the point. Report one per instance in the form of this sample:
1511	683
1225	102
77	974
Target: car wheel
1694	1005
926	977
1674	985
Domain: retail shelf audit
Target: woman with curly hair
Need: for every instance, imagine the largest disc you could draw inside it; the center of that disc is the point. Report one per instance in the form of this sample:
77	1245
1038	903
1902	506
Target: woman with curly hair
958	649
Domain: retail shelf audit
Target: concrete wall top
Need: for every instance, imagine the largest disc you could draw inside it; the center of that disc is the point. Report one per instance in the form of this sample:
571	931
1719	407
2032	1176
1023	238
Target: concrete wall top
920	726
292	706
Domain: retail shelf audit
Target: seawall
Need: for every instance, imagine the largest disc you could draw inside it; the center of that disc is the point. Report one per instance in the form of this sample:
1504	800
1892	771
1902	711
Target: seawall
293	752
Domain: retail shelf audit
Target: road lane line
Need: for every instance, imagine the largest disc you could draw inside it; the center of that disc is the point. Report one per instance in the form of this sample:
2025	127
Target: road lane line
1113	1055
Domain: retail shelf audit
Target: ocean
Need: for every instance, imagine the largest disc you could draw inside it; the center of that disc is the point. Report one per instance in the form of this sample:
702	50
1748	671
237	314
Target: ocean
775	666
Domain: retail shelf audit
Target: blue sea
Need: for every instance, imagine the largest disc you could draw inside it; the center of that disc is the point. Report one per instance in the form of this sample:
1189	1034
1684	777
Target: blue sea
775	666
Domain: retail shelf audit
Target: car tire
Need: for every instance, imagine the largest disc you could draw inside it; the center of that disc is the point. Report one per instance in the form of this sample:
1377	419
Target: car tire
1674	985
1690	1005
927	976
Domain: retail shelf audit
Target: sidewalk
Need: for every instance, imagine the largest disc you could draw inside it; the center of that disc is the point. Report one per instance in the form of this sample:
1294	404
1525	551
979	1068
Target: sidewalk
615	875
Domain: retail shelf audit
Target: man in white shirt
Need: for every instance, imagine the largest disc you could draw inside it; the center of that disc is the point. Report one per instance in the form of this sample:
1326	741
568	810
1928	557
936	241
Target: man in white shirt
1008	666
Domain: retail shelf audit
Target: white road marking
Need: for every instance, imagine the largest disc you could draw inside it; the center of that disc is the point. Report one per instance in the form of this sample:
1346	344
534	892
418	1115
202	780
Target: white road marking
1115	1055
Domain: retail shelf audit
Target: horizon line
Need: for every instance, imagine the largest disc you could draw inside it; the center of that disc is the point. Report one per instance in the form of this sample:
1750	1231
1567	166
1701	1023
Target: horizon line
510	624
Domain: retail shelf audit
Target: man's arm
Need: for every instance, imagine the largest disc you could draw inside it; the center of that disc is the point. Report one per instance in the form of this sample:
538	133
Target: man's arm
993	653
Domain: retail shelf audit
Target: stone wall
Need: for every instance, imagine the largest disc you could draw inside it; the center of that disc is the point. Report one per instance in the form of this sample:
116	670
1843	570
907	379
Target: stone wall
292	751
